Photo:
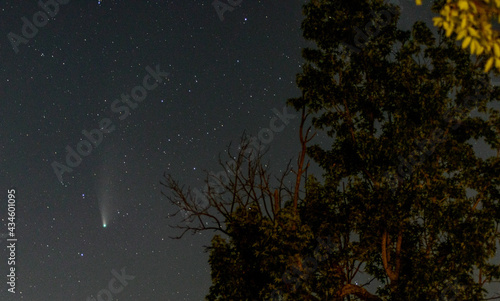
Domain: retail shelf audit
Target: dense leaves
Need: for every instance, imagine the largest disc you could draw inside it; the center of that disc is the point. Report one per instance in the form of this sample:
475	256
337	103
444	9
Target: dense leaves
420	207
406	208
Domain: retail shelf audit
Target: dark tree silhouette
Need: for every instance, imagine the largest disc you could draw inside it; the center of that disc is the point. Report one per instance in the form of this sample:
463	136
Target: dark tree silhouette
406	209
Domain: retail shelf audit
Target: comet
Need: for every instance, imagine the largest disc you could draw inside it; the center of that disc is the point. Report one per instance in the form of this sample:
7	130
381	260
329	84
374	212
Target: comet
104	218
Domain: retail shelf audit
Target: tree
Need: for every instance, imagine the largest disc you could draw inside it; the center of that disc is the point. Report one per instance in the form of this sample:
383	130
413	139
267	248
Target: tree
411	204
472	21
405	210
260	233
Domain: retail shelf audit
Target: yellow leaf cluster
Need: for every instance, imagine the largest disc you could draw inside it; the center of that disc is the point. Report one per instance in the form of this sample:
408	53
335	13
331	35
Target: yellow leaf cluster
471	21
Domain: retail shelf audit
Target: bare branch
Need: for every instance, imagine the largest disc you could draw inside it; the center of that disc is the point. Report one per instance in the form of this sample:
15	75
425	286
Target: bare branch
243	182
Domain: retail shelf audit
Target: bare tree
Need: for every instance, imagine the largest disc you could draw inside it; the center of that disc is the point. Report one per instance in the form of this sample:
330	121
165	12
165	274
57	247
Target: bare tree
244	182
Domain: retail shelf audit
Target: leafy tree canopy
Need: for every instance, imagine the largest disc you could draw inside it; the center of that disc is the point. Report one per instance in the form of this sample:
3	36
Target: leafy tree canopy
408	209
419	208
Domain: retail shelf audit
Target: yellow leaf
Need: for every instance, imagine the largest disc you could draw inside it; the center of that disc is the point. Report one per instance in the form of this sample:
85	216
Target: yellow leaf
473	32
464	23
496	50
438	21
480	49
464	5
419	2
473	6
466	42
461	35
488	65
473	46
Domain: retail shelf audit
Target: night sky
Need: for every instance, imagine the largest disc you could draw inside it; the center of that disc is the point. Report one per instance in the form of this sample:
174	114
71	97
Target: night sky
215	79
224	77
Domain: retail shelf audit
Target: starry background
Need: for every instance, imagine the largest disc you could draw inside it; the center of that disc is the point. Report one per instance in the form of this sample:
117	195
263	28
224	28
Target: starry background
225	77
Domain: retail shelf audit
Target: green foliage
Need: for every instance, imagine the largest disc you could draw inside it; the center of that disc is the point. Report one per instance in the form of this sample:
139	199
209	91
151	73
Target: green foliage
399	108
401	88
249	264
